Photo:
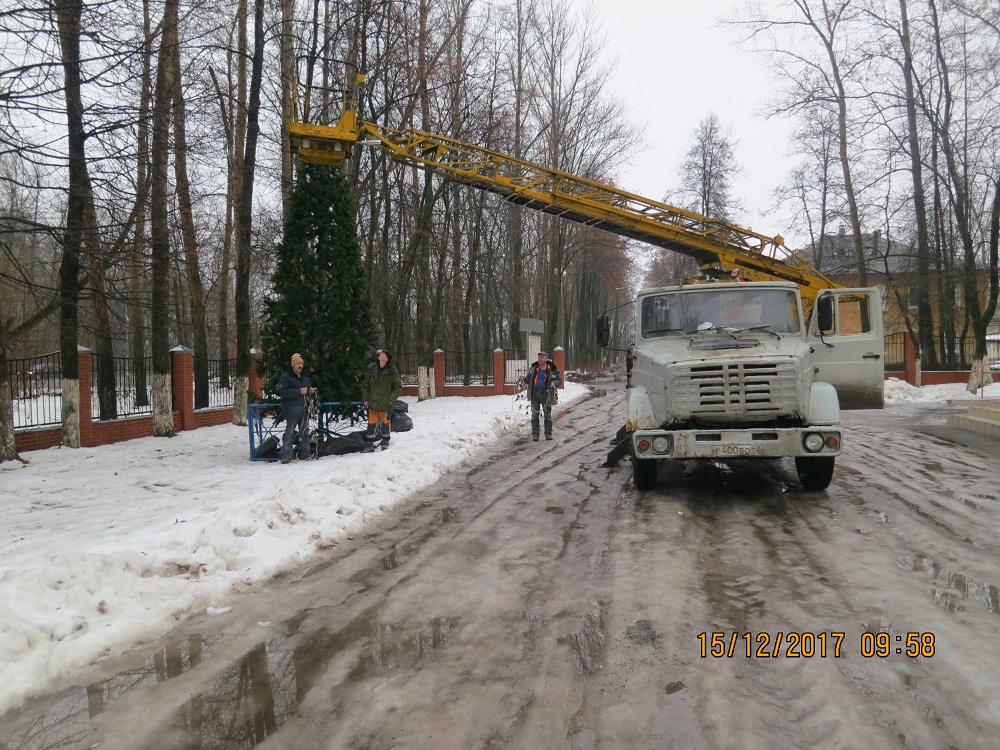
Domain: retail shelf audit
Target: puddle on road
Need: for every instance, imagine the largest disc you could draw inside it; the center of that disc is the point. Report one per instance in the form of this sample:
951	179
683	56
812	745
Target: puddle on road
587	646
399	647
390	561
252	697
949	590
642	632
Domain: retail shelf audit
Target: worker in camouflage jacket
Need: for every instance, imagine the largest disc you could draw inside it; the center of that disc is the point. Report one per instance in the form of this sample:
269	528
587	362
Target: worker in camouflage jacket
382	387
541	381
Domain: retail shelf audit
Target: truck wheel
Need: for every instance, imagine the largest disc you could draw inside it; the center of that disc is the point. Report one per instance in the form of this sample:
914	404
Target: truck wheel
644	473
815	472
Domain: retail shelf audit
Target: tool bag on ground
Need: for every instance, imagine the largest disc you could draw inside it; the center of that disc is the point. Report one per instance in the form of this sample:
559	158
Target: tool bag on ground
399	420
340	445
268	447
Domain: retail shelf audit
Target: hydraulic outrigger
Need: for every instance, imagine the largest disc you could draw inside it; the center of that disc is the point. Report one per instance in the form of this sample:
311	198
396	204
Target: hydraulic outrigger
717	246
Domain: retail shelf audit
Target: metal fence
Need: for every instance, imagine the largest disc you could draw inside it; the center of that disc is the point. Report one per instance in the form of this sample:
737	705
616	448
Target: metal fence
514	368
36	390
124	390
894	346
958	353
218	373
468	368
407	364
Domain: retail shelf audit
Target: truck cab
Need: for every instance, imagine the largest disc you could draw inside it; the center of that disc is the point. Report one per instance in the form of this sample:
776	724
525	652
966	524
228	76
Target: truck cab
737	370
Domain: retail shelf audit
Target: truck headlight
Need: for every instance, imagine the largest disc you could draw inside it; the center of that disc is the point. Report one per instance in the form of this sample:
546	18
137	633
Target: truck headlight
662	444
813	442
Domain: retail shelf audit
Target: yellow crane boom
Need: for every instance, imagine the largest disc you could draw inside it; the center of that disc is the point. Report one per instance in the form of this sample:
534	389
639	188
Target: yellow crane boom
717	246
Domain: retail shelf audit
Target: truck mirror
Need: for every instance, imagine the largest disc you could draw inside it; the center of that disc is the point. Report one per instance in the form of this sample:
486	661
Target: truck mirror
603	331
824	313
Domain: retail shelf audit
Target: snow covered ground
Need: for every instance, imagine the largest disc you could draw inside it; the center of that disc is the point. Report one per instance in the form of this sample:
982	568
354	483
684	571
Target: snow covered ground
105	547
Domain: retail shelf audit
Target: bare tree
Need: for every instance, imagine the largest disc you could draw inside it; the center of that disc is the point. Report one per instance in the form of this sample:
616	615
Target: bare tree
243	220
192	264
811	79
708	170
163	419
79	209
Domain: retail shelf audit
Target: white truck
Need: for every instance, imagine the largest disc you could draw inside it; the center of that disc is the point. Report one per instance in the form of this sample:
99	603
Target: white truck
736	371
706	383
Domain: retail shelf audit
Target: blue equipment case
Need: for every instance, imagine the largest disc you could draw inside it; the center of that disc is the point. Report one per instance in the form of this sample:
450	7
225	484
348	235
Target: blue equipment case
334	419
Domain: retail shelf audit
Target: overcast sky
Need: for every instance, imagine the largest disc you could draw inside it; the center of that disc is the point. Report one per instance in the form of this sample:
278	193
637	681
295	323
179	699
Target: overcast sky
674	67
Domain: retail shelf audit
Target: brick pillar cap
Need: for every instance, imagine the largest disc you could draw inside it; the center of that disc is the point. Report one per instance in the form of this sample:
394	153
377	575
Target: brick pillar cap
182	349
558	349
439	350
81	349
498	349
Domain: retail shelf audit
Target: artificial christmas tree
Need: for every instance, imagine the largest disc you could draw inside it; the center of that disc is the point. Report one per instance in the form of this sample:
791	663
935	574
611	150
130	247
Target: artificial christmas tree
319	301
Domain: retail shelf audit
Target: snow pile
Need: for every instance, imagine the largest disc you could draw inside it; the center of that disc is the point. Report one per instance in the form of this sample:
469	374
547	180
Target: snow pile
108	546
900	392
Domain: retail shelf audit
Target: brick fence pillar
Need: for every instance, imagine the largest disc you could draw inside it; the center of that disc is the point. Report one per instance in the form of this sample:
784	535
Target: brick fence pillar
255	384
182	385
910	360
438	372
559	357
499	373
85	363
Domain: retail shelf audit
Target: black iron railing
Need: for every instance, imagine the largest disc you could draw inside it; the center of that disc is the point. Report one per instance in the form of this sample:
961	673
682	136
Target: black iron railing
894	347
468	368
216	384
36	390
407	364
121	387
515	366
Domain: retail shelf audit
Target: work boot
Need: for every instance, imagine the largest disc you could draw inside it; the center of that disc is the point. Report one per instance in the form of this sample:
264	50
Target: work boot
385	445
369	447
285	459
548	435
535	438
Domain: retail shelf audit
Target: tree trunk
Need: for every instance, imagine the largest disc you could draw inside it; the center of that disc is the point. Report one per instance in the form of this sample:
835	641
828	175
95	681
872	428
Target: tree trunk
288	91
921	289
845	165
68	17
8	446
104	346
163	422
244	221
192	265
137	315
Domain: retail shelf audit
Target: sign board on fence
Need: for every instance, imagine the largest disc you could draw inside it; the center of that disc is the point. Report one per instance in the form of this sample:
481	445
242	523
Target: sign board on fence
532	325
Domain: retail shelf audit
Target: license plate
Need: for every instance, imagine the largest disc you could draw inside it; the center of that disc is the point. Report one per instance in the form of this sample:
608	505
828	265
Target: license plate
736	451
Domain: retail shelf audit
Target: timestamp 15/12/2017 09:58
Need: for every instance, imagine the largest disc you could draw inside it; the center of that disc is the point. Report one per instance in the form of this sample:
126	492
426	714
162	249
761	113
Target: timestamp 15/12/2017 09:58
806	644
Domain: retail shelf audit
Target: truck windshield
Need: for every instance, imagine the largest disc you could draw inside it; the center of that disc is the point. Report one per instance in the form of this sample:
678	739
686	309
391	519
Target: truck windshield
774	309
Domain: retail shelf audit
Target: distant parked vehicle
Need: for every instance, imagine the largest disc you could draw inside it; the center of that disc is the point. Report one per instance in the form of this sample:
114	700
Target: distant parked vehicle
47	370
45	378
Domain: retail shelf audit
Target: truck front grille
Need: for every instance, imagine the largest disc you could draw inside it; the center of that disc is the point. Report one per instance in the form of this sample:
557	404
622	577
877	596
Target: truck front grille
759	389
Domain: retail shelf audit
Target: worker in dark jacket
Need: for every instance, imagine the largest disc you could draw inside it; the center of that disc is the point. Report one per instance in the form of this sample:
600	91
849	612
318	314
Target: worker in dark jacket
542	379
293	387
382	387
